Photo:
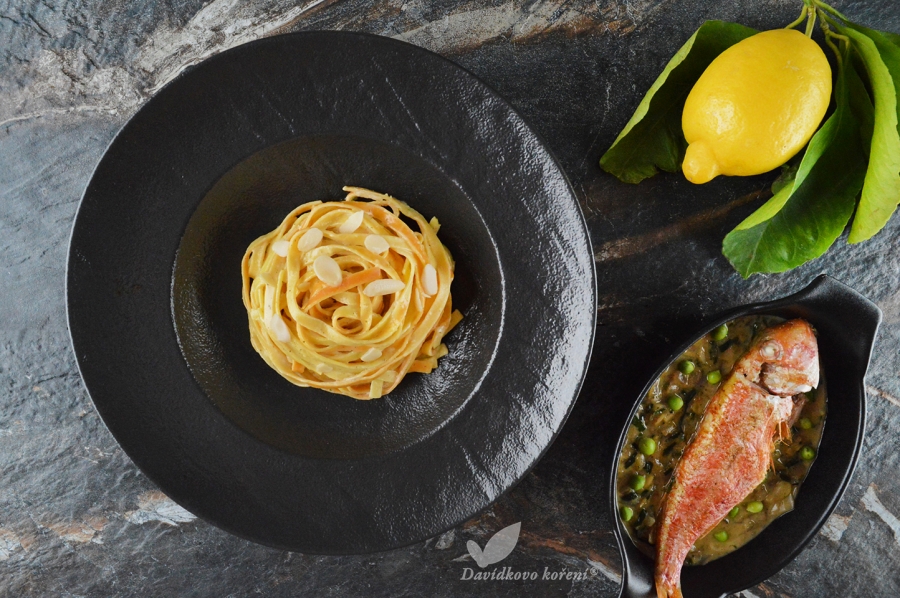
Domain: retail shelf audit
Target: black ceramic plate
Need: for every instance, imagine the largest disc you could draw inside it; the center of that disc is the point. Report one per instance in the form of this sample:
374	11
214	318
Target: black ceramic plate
846	324
217	158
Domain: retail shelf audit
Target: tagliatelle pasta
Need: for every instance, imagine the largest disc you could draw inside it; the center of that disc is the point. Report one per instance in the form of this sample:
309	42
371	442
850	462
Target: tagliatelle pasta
346	297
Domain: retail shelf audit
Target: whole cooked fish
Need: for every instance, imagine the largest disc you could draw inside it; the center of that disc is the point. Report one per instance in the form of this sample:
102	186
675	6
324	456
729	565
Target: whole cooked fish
732	449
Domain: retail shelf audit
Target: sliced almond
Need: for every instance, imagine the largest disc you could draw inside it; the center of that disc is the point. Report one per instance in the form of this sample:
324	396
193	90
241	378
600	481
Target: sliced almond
371	355
279	328
429	280
327	270
377	244
352	223
281	247
310	240
383	286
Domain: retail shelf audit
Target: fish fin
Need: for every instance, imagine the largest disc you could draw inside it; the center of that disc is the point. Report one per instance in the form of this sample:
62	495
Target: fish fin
784	433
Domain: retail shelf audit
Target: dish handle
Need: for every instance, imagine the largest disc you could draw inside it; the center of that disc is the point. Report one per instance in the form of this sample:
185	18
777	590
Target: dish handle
637	572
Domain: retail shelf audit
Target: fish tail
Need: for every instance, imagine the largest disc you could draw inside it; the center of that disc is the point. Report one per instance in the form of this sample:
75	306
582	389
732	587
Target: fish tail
668	580
668	592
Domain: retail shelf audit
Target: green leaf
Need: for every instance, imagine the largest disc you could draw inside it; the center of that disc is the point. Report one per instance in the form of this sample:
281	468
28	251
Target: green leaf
807	215
888	45
769	209
653	139
788	174
881	191
891	37
861	105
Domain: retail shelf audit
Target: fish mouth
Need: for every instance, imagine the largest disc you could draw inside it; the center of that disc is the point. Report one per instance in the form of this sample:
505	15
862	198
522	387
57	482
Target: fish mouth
774	391
787	382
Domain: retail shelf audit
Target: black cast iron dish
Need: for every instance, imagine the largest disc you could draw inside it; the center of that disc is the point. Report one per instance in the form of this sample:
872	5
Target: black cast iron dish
846	324
219	157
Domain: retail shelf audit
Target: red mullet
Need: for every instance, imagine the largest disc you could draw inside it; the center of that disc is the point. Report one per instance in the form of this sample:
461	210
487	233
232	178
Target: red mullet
732	449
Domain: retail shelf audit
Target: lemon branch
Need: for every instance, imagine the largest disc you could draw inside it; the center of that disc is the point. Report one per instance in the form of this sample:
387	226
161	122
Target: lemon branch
830	34
808	14
811	23
826	8
813	9
803	16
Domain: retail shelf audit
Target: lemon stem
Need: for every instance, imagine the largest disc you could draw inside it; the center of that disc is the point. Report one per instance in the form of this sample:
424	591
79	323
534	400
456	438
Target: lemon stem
811	23
826	21
801	18
837	53
824	7
831	35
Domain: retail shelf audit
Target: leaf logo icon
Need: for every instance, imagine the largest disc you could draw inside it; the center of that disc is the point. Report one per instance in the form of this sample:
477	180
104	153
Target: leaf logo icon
497	548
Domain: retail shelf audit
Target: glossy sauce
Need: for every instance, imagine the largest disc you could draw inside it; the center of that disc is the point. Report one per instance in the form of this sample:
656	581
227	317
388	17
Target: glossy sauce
672	430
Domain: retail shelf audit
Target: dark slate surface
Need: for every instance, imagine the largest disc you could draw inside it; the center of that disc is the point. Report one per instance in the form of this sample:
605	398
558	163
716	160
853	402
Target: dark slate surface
78	519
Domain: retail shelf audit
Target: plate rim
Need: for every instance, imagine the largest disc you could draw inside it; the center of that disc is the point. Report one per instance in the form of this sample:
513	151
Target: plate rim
496	96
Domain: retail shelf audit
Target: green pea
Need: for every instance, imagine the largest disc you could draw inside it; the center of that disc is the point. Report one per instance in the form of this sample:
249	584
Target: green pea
721	536
807	453
686	367
805	423
647	446
720	333
675	402
734	512
714	377
627	513
637	482
754	507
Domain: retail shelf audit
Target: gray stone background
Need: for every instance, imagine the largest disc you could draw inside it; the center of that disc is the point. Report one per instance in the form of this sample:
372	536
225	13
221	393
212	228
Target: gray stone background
76	516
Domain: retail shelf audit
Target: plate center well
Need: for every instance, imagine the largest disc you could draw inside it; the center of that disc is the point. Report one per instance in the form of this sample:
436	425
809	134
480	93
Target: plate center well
251	199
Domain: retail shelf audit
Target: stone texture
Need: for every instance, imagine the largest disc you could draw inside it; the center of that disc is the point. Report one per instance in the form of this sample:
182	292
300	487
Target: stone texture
78	519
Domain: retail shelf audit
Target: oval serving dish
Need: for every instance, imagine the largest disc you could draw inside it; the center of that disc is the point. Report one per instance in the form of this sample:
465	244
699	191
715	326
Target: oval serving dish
846	324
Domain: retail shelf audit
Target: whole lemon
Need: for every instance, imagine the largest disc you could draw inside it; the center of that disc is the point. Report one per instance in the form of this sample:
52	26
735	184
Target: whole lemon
755	105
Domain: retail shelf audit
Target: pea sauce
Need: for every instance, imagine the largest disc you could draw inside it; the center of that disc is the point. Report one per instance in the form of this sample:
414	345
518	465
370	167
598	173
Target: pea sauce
666	422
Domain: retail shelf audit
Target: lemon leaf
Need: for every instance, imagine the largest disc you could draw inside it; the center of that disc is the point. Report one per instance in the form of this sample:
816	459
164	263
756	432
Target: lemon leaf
652	139
769	209
787	176
807	215
861	105
891	37
881	191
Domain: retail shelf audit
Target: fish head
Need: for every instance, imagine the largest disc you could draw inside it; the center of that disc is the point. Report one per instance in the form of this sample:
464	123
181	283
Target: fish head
789	355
